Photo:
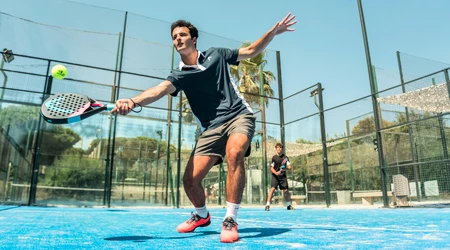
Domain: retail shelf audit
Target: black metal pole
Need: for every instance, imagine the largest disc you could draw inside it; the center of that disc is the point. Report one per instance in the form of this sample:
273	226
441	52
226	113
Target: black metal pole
375	107
444	141
412	144
410	128
443	138
168	168
35	154
323	133
447	81
219	199
281	101
180	116
112	149
263	125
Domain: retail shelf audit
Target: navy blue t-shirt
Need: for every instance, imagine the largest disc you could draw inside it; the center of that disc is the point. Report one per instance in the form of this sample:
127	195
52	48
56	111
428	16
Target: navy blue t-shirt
212	94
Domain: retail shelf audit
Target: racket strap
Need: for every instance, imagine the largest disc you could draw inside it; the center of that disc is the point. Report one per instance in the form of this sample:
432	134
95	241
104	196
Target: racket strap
136	105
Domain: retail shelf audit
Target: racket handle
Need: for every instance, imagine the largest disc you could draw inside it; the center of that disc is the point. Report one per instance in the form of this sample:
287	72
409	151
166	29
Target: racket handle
110	107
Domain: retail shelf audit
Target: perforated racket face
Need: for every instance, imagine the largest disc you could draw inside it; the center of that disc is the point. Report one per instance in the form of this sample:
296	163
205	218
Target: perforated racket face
64	105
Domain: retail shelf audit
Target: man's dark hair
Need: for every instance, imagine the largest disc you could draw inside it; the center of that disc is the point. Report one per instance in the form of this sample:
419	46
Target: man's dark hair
279	145
183	23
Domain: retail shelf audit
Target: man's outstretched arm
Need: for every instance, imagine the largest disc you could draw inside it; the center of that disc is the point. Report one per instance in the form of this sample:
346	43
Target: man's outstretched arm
259	45
124	106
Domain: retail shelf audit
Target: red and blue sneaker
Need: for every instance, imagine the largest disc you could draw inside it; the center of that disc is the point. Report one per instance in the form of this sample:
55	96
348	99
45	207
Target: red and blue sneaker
192	223
229	232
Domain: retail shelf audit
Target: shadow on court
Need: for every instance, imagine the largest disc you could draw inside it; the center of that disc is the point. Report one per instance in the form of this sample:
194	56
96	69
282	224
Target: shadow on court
8	208
260	232
143	238
322	228
131	238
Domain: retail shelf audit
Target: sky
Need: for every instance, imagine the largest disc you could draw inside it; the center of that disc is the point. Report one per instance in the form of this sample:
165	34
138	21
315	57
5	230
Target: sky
327	45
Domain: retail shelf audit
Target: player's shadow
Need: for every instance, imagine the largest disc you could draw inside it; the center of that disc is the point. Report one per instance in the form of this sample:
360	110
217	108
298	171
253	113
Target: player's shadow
144	238
130	238
261	232
323	228
257	233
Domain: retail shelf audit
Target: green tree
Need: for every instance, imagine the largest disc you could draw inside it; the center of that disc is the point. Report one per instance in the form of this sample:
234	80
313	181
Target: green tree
187	114
21	123
304	141
16	115
138	148
367	125
425	134
90	174
247	75
55	141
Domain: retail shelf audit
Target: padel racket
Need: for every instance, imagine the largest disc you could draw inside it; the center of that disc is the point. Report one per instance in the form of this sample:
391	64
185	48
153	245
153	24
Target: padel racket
65	108
284	163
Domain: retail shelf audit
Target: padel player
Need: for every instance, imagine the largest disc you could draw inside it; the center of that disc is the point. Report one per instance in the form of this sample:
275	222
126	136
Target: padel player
280	163
227	119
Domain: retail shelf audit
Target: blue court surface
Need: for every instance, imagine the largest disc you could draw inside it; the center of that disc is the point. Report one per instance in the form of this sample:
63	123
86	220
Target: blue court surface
154	228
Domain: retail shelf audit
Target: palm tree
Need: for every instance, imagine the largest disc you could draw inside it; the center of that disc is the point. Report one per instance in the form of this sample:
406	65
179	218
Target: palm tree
186	110
247	75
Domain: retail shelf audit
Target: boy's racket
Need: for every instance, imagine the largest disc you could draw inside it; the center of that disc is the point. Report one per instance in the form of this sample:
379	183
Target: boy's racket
283	166
65	108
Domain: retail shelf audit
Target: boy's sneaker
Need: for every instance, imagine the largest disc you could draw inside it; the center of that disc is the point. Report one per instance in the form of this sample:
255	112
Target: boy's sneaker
192	223
290	207
229	232
267	208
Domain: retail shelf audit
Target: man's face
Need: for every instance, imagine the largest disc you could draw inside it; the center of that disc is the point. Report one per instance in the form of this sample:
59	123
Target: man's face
279	149
181	38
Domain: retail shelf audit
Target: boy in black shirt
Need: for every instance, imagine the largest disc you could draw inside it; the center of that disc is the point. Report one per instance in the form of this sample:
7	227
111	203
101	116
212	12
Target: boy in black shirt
280	163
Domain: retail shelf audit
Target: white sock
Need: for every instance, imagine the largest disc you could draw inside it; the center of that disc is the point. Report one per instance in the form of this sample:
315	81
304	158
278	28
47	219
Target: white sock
232	210
202	211
288	203
268	203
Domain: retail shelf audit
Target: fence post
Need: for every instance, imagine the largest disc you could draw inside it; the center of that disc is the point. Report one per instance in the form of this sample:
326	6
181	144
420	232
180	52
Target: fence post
378	122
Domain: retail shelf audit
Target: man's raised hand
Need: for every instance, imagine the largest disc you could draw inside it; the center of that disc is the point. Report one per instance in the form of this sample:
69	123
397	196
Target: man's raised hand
285	24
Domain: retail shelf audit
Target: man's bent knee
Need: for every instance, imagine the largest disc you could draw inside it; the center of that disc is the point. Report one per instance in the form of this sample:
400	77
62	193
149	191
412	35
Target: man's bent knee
235	154
235	158
189	181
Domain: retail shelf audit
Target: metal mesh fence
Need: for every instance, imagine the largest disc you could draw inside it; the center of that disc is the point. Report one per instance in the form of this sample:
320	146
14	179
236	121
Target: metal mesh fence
110	159
140	159
414	67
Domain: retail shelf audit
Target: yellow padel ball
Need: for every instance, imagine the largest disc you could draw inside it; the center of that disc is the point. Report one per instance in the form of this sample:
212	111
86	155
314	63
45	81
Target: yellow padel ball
59	71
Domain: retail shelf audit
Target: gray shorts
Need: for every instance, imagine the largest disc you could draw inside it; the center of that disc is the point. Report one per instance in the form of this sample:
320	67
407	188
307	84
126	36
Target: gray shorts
214	142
